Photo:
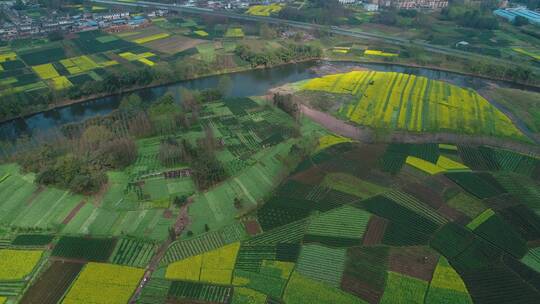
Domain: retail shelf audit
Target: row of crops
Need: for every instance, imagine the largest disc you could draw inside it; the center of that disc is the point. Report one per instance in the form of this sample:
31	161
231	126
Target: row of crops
414	103
338	229
422	237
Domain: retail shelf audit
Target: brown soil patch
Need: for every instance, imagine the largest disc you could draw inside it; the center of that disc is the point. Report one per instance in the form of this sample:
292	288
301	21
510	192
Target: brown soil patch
253	227
365	272
174	44
167	214
361	289
35	194
418	261
375	231
424	194
311	176
453	214
73	213
52	284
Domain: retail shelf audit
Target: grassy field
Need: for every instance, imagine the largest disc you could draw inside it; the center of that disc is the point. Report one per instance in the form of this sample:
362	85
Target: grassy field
406	102
523	104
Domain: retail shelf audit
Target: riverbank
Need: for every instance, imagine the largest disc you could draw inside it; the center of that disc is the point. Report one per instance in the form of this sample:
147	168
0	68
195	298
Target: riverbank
525	86
89	98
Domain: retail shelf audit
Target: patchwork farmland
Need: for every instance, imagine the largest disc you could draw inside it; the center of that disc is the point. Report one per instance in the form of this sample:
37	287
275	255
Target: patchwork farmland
202	198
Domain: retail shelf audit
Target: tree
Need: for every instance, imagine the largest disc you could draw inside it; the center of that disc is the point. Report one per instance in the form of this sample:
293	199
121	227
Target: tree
131	103
237	203
206	227
180	201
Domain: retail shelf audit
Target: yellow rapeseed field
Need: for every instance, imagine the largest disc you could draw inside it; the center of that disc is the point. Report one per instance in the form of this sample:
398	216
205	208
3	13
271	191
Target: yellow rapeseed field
80	64
264	10
201	33
147	62
45	71
214	266
414	103
61	82
423	165
3	300
330	140
100	283
450	165
7	56
379	53
446	277
132	57
17	264
151	38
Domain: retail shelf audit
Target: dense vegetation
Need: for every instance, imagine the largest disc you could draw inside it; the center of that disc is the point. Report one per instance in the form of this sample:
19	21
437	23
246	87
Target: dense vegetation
83	153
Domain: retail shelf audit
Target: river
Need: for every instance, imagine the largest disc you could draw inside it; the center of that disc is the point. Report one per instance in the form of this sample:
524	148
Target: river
248	83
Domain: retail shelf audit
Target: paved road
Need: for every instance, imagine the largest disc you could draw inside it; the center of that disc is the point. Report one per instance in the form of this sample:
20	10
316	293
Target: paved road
336	30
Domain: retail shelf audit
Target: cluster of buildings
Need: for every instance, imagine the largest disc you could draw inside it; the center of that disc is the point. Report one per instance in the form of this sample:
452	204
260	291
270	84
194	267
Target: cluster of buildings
373	5
511	14
23	26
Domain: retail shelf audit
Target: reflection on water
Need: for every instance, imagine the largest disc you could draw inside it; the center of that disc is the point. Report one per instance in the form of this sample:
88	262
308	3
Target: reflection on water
249	83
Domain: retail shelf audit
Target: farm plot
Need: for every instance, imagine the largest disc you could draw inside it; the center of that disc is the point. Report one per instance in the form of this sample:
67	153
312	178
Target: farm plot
97	250
346	224
246	295
532	259
200	292
182	249
93	42
365	272
403	289
43	56
48	206
174	44
234	32
142	57
302	290
131	252
32	240
407	261
264	10
104	283
52	284
18	264
81	64
151	38
322	264
407	102
214	266
271	279
478	184
447	285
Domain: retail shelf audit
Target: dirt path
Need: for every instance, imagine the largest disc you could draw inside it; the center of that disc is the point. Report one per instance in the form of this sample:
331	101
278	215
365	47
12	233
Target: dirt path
182	220
366	135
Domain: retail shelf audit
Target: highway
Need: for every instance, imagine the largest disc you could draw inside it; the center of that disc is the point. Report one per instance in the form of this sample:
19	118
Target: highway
336	30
